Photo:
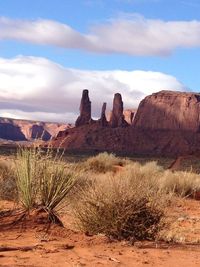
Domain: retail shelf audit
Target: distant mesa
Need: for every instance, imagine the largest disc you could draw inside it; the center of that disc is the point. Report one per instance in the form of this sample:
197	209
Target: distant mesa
24	130
10	131
39	131
166	123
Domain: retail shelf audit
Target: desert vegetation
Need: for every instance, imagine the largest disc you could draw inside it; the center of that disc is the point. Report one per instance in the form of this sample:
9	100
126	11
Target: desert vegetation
125	203
120	207
103	162
8	186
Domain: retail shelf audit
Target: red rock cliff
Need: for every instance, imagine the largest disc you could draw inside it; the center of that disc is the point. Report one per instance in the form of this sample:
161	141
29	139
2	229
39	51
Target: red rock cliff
168	110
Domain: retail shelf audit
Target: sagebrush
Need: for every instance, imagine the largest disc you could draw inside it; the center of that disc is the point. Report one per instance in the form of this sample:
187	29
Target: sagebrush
121	206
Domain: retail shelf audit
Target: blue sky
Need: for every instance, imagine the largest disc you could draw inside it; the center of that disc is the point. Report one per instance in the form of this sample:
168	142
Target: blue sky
175	54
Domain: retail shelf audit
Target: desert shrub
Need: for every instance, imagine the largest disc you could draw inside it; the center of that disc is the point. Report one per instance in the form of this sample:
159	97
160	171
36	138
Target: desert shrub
43	179
180	183
8	187
123	206
103	162
148	173
28	173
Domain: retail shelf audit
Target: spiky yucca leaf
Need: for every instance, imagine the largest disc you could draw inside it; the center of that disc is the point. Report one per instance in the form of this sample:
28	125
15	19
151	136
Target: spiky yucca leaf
27	173
43	178
55	183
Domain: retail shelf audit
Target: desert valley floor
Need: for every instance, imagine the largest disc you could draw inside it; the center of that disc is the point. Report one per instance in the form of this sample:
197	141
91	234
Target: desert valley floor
32	243
66	247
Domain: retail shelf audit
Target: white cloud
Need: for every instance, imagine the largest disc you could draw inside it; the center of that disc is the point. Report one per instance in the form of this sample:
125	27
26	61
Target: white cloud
38	116
37	88
130	34
44	32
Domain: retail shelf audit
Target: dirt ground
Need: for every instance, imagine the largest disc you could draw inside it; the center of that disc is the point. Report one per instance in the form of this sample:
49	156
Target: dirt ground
33	245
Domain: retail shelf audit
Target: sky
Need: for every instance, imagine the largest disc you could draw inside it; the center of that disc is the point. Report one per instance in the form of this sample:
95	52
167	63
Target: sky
51	50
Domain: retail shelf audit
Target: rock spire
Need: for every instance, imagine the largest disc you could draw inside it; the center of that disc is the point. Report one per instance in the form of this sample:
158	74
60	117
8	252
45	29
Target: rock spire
85	110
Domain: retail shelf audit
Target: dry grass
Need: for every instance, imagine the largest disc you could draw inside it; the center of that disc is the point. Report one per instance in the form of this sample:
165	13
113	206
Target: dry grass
128	204
180	183
103	162
8	187
121	206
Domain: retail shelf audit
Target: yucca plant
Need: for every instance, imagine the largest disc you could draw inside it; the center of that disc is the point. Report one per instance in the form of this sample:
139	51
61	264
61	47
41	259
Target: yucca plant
43	179
56	181
27	174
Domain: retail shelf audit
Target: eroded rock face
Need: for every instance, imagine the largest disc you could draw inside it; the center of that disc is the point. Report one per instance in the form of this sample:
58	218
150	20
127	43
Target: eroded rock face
24	130
129	116
168	110
117	117
85	110
129	141
38	131
10	131
103	120
166	123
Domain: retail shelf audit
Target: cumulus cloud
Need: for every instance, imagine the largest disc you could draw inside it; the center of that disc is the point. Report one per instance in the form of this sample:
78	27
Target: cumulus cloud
130	34
37	88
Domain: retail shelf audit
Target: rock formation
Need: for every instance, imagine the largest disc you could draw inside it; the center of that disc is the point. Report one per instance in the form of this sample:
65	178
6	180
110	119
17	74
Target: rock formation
11	132
166	124
117	117
103	120
129	115
38	132
23	130
85	110
169	110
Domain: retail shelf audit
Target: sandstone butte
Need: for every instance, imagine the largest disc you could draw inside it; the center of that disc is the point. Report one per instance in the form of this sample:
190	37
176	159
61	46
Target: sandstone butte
168	110
166	123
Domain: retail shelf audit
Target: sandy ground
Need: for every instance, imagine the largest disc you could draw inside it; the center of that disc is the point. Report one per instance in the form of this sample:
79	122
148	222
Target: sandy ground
65	247
60	252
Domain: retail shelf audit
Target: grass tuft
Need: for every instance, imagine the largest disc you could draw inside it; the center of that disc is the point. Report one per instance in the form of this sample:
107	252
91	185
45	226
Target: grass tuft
180	183
8	187
103	162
